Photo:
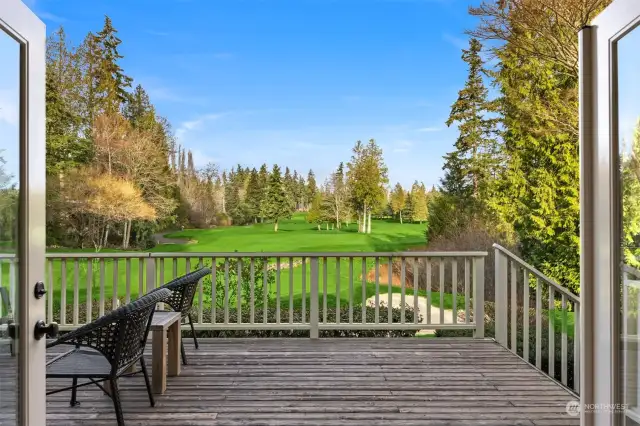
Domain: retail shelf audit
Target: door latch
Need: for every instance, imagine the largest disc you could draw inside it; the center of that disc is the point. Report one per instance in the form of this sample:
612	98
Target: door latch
39	290
41	329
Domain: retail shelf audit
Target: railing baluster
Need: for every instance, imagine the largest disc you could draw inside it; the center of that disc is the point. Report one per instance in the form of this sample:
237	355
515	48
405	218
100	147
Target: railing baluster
552	326
265	290
89	290
13	283
415	291
441	291
161	305
478	296
76	293
214	296
576	346
338	279
403	283
364	290
291	290
389	292
538	324
114	291
200	294
239	293
351	290
175	268
252	285
514	309
429	297
563	343
50	291
313	309
525	318
127	297
454	290
141	266
226	290
324	290
467	291
304	289
277	290
101	305
63	291
377	290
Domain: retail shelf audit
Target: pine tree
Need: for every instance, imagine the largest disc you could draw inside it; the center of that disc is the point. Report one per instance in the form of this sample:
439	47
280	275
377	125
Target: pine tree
254	195
263	184
312	187
470	166
419	198
277	204
112	82
409	207
397	200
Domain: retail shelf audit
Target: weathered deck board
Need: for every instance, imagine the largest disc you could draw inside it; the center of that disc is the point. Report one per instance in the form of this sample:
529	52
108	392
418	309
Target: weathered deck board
334	382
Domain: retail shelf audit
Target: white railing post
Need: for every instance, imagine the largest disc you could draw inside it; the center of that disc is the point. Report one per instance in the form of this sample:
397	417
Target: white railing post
313	309
150	266
501	304
478	297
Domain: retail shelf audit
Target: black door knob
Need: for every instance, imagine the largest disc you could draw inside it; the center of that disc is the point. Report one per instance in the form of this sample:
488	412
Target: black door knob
41	329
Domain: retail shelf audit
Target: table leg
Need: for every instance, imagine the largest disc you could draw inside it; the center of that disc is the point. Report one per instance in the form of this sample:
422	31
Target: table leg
159	362
175	336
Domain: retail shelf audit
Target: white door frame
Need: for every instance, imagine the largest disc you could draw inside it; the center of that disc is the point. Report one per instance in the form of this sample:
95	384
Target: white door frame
599	205
22	24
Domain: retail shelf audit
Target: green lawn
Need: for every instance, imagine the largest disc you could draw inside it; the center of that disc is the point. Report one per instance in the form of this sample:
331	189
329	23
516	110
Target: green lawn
294	236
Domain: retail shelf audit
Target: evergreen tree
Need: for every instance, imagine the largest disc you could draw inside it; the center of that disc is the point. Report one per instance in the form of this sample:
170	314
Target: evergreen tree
397	200
263	184
112	82
419	198
312	187
409	208
254	195
470	166
277	203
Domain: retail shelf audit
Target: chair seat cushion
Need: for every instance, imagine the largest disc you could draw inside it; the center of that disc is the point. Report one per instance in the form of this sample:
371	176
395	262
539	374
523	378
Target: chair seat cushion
79	362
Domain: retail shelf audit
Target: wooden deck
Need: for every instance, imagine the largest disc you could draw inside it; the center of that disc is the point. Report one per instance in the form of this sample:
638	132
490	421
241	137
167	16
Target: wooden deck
335	382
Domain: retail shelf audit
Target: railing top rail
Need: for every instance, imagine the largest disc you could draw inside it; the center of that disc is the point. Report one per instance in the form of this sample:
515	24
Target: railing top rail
325	254
139	255
537	273
631	270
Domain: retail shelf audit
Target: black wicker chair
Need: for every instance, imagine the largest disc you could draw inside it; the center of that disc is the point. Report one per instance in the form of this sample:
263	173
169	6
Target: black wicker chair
183	291
106	349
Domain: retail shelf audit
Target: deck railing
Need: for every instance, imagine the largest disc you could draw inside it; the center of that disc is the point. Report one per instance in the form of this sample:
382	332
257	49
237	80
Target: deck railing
528	305
279	291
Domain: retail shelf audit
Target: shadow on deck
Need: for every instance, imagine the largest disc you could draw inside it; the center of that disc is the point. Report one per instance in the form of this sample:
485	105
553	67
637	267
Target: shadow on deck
334	382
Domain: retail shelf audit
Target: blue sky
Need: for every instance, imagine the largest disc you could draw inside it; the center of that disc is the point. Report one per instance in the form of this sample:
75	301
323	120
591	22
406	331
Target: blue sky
295	82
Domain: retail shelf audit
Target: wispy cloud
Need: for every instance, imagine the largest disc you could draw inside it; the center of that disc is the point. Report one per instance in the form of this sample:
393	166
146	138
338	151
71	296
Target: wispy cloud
158	33
51	17
429	129
162	93
188	126
402	146
457	41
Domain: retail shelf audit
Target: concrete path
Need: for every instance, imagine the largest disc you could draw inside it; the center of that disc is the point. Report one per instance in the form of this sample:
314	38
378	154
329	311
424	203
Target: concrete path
422	307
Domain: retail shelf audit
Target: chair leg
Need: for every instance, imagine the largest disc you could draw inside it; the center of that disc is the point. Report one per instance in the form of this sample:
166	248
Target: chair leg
184	353
193	331
74	393
115	396
148	383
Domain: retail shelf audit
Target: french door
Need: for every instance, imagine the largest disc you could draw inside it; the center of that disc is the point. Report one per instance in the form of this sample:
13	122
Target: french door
22	215
610	216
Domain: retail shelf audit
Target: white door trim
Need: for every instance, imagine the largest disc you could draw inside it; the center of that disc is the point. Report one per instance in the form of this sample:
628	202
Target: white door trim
599	204
23	25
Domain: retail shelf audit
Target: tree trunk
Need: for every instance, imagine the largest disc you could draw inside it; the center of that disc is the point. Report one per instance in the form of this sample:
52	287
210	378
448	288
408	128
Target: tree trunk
327	226
369	223
400	218
319	228
129	234
106	236
275	226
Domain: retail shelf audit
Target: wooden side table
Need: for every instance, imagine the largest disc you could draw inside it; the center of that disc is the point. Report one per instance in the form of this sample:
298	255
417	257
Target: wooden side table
165	329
